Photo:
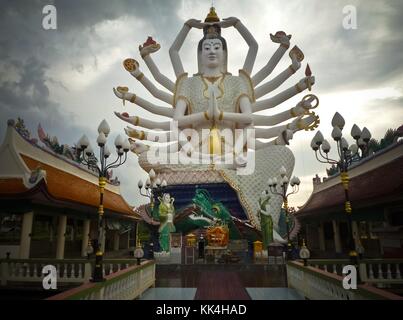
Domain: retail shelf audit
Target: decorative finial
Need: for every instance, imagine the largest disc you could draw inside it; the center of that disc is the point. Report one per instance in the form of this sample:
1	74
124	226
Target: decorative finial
212	16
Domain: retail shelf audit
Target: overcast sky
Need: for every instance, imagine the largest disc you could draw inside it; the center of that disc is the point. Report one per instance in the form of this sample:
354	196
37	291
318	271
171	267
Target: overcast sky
63	78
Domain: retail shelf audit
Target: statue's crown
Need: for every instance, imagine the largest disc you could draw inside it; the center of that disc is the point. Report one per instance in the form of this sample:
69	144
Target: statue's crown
212	16
212	31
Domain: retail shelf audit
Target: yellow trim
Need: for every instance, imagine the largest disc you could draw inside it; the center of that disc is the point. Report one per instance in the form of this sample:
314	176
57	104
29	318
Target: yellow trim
133	98
298	88
292	69
137	121
292	112
188	105
178	79
285	45
243	72
241	198
206	115
221	116
220	86
140	76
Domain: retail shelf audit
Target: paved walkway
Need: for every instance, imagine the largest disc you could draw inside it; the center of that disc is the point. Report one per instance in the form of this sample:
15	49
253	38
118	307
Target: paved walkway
220	282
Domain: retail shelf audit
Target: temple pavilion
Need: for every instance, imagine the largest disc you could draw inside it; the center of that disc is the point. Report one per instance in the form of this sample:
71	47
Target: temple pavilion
48	202
376	193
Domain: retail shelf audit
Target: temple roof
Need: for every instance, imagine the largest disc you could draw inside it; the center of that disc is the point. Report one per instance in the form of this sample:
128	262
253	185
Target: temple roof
31	172
375	181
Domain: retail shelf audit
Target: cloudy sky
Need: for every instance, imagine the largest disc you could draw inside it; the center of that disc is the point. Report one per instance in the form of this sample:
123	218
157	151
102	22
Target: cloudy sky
63	78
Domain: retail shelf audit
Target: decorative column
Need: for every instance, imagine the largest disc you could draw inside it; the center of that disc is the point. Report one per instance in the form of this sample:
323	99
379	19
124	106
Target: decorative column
25	240
336	235
116	241
86	233
61	238
322	244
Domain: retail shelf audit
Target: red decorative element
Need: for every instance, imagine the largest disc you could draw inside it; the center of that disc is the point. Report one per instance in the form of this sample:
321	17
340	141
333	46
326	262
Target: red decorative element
125	114
280	33
308	71
149	42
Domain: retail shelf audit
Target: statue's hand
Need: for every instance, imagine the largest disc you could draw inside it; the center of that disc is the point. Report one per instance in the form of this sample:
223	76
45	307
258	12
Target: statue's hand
138	147
193	23
148	48
304	81
305	105
228	22
301	122
123	94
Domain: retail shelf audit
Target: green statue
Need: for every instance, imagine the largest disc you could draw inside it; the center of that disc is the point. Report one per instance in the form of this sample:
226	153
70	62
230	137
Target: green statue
166	211
266	221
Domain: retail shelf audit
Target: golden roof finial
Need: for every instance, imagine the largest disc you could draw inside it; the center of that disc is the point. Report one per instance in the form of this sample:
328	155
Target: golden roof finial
212	16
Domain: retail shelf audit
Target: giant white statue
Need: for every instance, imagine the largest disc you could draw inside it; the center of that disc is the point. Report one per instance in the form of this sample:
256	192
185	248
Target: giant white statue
214	132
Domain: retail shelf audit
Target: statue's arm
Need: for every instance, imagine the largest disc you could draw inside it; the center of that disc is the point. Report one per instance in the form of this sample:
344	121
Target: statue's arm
284	95
157	93
274	60
145	123
294	126
248	37
302	107
186	120
152	136
177	44
244	117
163	111
279	79
145	52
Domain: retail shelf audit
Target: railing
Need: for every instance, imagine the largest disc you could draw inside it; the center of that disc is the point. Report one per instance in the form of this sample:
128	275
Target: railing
380	272
127	284
71	271
317	284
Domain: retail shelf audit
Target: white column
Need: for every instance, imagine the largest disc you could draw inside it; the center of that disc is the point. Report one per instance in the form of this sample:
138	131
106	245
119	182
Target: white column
116	241
322	244
25	240
336	235
86	235
61	238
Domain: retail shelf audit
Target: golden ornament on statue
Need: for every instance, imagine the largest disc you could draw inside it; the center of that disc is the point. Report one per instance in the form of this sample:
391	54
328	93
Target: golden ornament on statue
130	64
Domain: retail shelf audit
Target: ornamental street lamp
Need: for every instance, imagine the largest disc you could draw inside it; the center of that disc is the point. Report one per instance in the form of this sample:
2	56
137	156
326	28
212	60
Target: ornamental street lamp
347	155
87	157
153	187
282	191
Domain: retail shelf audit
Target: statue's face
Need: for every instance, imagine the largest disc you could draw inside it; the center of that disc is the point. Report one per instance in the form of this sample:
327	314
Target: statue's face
166	198
212	54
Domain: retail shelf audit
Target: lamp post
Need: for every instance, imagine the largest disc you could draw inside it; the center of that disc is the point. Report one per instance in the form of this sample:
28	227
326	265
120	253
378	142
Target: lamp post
283	184
152	189
91	161
346	156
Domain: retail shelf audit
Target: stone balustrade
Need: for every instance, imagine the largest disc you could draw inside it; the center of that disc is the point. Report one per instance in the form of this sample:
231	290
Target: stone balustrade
317	284
73	271
126	284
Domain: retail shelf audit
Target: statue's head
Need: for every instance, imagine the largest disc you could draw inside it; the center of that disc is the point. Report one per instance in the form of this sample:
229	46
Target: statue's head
212	49
166	198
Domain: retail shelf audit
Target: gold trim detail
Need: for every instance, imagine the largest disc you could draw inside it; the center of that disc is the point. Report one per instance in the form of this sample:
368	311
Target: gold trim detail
298	88
241	198
292	69
221	116
220	86
206	115
292	112
243	72
133	98
140	76
178	79
188	105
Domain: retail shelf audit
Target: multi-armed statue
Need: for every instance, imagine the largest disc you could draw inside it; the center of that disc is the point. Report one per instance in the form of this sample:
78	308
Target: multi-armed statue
213	123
